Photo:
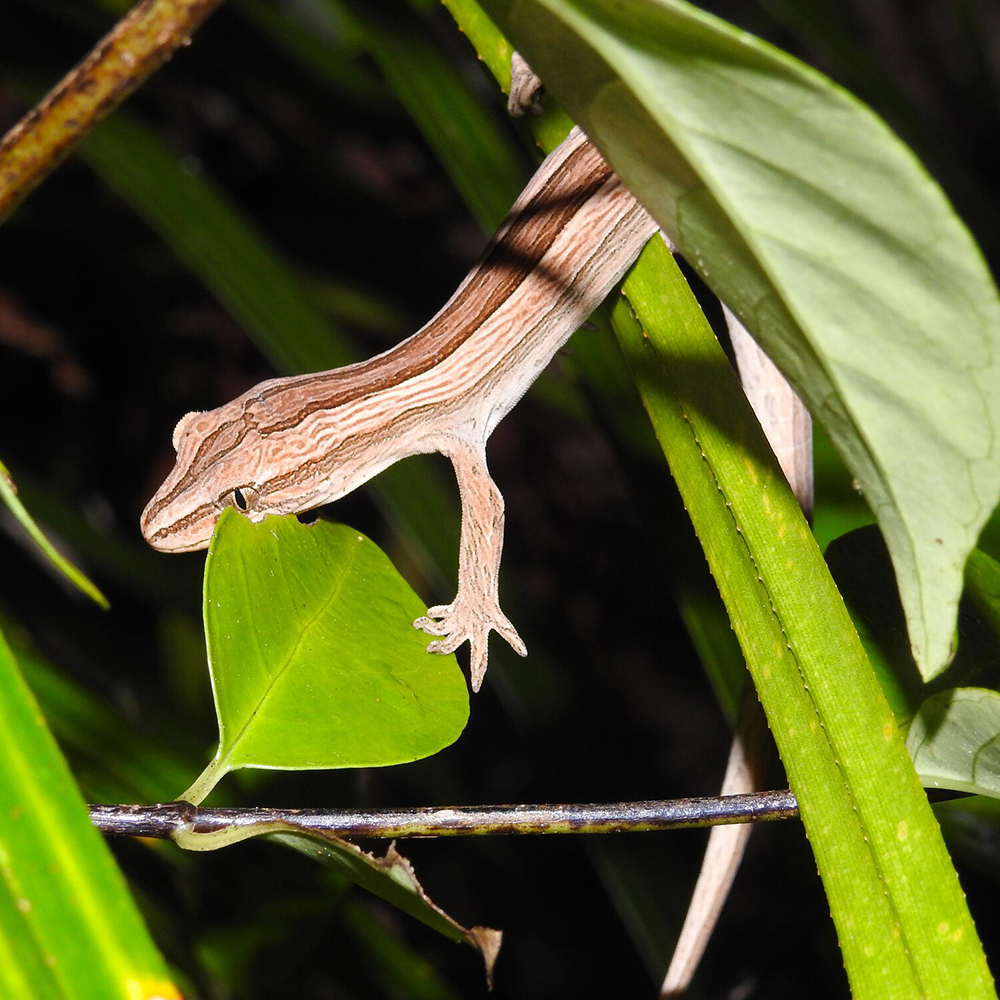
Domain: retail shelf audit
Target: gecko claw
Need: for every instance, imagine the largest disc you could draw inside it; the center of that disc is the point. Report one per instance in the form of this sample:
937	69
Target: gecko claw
460	621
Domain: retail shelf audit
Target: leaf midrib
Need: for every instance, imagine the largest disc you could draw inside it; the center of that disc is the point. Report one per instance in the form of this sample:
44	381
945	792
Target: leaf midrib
223	760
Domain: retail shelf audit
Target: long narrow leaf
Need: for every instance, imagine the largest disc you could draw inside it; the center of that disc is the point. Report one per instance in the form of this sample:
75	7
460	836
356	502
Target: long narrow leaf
68	927
868	821
8	496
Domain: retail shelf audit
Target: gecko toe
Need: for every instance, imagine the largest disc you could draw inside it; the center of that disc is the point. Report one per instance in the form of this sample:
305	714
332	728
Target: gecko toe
431	627
446	645
507	631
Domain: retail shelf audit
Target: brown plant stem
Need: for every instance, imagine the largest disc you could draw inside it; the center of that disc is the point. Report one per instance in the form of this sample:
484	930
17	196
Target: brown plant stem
459	821
138	45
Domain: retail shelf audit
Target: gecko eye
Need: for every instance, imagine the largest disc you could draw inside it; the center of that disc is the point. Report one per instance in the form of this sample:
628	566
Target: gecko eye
243	498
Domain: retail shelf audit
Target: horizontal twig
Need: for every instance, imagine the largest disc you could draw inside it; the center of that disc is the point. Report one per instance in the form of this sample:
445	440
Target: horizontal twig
457	821
138	45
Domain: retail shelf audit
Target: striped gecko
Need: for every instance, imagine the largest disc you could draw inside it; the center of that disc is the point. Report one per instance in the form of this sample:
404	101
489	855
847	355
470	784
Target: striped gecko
291	444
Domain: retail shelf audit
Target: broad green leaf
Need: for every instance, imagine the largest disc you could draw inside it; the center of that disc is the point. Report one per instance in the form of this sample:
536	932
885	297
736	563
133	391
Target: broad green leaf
68	927
819	228
8	494
314	660
868	821
954	740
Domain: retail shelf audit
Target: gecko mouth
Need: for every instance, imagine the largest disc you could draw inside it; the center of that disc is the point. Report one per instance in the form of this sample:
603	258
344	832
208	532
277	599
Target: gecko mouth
176	535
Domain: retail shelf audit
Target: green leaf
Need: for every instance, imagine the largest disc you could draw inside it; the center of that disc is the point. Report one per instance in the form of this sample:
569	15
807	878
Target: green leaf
954	740
819	228
314	660
8	494
867	819
68	927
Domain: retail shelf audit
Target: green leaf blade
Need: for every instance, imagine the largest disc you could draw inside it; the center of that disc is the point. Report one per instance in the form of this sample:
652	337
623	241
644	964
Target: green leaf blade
804	213
68	927
314	660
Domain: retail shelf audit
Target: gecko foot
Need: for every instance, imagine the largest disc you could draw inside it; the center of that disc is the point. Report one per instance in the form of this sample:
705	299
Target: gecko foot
463	620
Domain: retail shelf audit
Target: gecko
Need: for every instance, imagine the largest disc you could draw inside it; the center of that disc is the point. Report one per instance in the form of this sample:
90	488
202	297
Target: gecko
291	444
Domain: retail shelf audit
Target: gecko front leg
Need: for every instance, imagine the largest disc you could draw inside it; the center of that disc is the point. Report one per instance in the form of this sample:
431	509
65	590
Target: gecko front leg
475	612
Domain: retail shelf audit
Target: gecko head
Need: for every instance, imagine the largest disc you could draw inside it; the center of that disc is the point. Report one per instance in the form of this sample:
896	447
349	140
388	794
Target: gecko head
217	457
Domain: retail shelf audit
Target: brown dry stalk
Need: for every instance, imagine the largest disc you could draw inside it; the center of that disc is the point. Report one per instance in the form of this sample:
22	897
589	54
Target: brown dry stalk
138	45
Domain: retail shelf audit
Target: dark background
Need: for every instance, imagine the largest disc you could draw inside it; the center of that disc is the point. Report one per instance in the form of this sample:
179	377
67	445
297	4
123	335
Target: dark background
106	338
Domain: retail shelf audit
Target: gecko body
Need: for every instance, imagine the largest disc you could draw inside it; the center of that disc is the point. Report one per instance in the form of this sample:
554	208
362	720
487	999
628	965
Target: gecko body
291	444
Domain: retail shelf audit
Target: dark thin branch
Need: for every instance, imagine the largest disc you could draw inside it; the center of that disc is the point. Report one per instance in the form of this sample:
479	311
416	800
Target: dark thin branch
138	45
458	821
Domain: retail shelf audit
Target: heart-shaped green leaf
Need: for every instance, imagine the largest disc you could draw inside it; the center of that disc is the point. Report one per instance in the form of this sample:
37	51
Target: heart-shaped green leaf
314	660
820	229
